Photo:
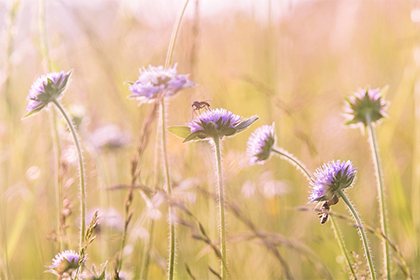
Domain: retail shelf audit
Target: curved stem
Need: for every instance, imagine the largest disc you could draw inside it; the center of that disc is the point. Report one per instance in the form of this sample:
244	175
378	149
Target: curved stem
342	245
361	231
221	198
381	195
336	229
294	161
81	173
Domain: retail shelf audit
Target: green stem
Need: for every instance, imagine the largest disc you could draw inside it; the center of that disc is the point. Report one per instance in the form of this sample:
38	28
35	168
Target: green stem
56	138
165	150
174	36
221	197
294	161
381	194
336	229
81	173
362	233
146	253
342	245
169	190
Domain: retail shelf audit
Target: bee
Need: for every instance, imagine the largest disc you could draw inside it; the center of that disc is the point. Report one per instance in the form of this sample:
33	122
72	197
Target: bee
325	209
198	105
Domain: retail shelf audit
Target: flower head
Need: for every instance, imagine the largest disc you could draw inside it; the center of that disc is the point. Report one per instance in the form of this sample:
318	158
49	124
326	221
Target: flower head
155	81
217	123
260	143
331	177
46	89
66	262
366	105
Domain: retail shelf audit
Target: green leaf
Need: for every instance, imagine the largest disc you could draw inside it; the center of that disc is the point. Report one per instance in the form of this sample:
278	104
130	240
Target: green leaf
246	123
31	113
180	131
192	136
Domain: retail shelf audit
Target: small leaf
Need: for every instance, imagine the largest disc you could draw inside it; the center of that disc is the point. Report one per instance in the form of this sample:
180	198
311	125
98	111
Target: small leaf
180	131
31	113
246	123
192	136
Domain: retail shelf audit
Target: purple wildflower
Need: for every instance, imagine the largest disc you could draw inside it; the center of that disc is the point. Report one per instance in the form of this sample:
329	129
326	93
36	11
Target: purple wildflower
65	262
366	105
155	81
260	144
331	177
215	122
45	89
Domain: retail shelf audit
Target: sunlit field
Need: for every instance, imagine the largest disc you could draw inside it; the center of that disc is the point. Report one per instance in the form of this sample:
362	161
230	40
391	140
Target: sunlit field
161	211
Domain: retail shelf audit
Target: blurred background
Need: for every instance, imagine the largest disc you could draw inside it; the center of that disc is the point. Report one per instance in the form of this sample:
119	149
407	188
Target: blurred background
289	62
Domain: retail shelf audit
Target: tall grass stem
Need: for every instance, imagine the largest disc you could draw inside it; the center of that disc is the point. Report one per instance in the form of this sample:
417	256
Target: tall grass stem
221	198
168	61
381	196
362	233
81	173
342	245
55	135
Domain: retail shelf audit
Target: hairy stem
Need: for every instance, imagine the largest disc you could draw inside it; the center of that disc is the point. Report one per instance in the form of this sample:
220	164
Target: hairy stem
164	147
381	196
221	198
342	245
362	233
81	173
336	229
294	161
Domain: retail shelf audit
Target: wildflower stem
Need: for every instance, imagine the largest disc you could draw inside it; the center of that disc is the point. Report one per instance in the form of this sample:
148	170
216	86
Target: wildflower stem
334	224
381	194
294	161
362	232
221	198
81	172
342	245
56	139
169	190
164	147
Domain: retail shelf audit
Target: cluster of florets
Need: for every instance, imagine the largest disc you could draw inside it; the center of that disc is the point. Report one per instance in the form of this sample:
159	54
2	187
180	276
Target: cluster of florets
157	82
330	178
366	106
46	89
260	144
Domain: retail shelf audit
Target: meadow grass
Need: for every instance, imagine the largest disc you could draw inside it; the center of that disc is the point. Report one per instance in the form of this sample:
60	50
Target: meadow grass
294	70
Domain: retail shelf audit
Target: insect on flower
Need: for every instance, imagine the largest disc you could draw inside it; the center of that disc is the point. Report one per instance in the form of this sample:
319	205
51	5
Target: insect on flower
325	209
198	105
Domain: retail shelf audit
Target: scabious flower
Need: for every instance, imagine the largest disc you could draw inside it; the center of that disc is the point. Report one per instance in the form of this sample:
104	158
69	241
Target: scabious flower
46	89
331	177
366	105
66	262
260	144
217	123
156	81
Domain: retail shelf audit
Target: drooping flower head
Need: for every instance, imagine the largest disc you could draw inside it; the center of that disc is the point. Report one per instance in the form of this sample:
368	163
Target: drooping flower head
45	89
331	177
156	81
260	144
366	105
65	262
